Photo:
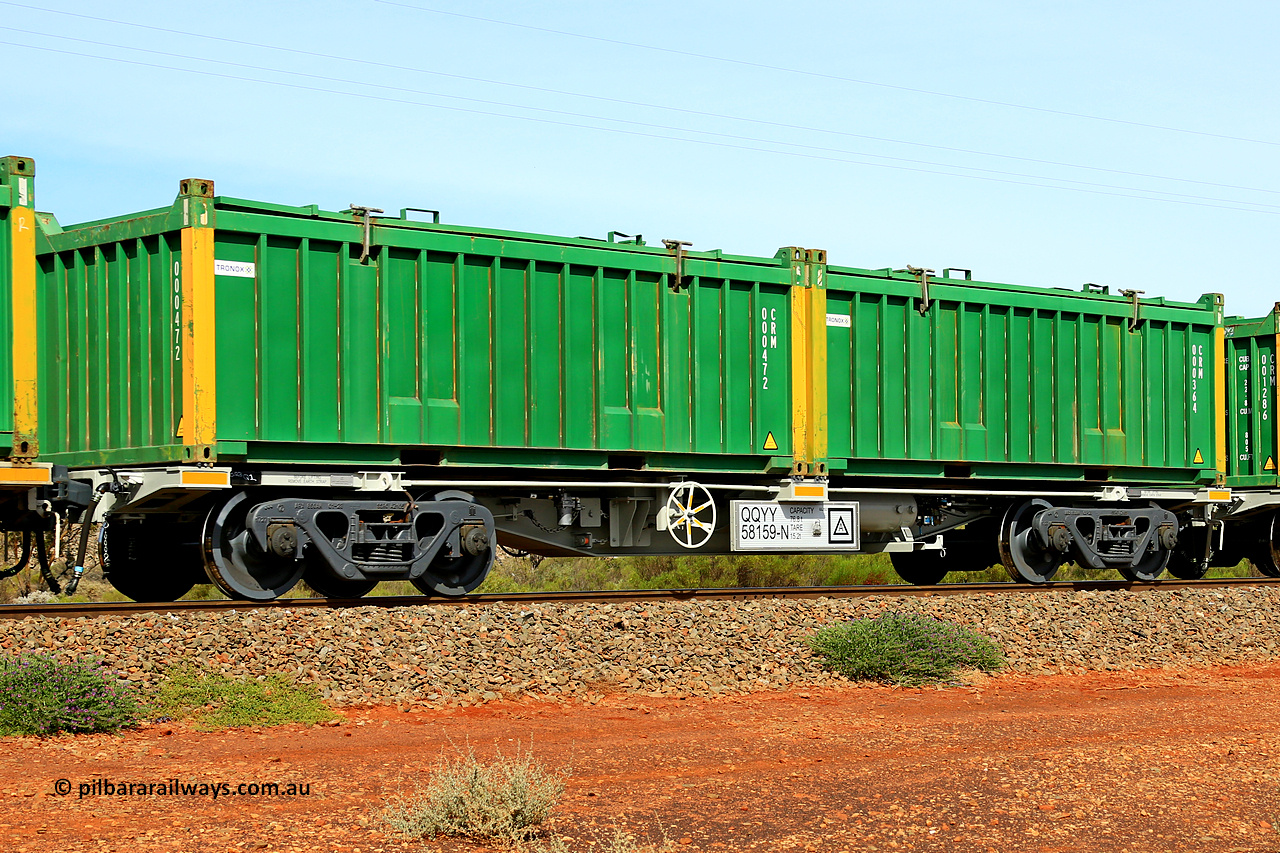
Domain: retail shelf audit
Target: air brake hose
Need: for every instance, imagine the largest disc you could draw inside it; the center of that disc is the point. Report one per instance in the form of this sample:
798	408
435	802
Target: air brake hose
22	560
85	531
42	557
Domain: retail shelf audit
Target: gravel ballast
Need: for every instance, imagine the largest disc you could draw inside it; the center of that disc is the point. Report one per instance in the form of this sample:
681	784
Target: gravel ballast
451	655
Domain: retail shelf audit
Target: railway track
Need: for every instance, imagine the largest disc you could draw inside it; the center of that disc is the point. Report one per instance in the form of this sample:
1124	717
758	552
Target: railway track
125	608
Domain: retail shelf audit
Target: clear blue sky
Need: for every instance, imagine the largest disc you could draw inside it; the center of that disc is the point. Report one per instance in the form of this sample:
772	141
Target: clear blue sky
685	134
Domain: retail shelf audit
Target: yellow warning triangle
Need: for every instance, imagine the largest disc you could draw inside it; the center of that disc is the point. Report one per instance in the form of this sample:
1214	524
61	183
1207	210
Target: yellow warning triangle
770	443
1270	466
1199	460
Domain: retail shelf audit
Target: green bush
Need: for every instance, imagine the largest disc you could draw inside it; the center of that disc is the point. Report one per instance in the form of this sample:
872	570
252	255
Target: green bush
40	695
693	571
698	571
901	648
504	800
213	701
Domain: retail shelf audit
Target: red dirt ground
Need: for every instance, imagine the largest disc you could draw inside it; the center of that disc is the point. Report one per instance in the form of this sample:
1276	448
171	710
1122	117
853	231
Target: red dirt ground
1156	761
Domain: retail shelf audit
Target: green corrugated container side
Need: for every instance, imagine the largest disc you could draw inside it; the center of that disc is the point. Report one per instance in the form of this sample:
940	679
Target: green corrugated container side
1253	444
110	388
997	380
447	344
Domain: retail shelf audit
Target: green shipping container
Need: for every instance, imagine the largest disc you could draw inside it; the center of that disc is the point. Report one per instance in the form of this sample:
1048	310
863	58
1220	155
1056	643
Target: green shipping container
285	344
1252	439
953	377
229	330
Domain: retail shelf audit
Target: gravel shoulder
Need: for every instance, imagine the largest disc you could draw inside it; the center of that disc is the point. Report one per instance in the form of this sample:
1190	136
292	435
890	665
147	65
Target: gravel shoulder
439	657
1168	760
1142	722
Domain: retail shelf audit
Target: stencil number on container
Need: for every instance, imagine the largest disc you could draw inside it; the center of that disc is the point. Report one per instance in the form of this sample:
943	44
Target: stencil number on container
177	311
1197	373
768	341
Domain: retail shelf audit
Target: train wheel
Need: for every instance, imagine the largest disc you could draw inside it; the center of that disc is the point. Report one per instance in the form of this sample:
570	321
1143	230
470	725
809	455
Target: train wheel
235	562
153	560
460	575
1020	549
455	576
1187	562
1149	568
921	568
318	576
1267	556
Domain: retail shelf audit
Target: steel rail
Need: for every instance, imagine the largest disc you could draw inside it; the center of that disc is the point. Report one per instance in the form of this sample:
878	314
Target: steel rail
630	596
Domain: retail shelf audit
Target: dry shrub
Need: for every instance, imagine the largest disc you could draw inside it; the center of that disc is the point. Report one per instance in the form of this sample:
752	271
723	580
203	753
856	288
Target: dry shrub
505	799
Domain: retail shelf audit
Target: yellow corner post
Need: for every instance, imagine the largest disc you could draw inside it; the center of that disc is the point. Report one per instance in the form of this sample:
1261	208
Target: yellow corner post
809	362
199	350
25	403
799	364
19	176
1220	401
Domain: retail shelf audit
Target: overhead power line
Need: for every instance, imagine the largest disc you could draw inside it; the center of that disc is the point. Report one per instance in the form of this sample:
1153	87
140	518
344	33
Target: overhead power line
707	142
823	76
648	125
634	103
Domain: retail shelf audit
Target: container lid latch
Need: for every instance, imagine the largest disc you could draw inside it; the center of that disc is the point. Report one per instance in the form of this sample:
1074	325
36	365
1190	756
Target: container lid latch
366	213
1133	298
922	274
677	246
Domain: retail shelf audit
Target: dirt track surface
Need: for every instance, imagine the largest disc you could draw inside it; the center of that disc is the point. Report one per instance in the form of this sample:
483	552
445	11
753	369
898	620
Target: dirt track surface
1156	761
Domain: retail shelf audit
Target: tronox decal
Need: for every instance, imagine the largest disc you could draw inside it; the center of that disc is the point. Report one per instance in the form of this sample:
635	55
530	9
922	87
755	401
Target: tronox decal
238	269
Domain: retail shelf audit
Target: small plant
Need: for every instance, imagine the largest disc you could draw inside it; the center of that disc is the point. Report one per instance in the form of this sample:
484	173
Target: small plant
621	842
902	648
504	799
213	701
40	695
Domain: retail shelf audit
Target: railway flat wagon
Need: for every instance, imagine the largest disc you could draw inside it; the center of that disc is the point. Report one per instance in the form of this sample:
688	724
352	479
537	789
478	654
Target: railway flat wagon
209	356
259	393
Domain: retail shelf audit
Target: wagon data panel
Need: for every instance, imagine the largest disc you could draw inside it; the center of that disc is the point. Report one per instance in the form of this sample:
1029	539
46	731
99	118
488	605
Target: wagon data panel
772	526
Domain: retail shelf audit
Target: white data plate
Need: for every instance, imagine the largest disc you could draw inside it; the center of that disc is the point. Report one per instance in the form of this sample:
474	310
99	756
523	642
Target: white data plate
770	526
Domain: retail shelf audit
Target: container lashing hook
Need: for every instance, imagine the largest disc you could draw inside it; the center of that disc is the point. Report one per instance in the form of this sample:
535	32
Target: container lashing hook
366	213
677	246
1133	298
922	274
